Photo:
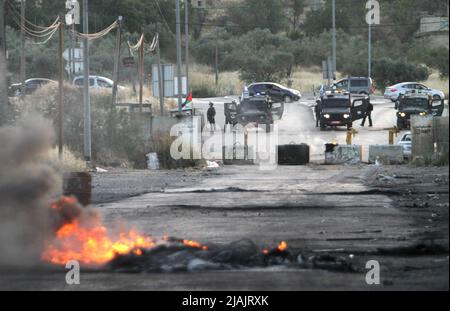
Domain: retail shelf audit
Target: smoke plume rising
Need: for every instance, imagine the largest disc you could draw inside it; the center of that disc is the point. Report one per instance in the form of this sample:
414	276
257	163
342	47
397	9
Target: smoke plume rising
26	187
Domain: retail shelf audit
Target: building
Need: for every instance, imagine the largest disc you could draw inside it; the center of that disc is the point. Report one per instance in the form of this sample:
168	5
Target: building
434	29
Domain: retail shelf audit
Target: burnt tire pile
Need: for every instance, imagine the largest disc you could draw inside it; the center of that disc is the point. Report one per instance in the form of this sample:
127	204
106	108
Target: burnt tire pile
243	254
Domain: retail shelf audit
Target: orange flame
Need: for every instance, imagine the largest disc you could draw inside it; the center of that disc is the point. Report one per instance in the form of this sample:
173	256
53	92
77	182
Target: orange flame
89	244
92	246
195	244
282	246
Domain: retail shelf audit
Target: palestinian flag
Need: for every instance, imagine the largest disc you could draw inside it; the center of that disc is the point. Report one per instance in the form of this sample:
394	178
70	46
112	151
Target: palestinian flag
188	102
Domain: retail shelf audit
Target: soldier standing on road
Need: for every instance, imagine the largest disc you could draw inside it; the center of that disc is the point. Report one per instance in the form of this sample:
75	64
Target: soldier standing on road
317	112
368	115
211	114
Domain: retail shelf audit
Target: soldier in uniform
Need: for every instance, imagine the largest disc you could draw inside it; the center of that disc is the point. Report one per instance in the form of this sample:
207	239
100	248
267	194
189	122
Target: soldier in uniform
211	114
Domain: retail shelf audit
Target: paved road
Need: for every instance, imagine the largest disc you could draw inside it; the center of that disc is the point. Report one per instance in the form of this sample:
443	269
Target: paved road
298	125
316	209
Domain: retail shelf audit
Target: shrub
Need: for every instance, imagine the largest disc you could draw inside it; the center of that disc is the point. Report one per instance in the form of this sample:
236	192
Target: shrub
387	72
117	139
161	144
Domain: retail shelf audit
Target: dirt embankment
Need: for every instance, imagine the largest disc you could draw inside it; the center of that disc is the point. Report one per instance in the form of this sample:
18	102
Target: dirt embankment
423	194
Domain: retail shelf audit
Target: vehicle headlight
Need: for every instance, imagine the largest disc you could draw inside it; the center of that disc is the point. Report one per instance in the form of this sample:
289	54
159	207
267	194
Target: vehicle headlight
423	113
346	116
402	114
326	116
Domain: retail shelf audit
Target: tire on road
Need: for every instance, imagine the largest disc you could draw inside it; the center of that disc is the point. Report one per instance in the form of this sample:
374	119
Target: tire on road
293	154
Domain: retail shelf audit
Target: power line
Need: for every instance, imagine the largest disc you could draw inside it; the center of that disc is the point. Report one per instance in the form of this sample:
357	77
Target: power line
164	18
16	15
265	26
99	34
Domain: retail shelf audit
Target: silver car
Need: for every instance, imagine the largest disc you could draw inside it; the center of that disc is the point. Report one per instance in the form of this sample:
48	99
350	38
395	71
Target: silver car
97	82
406	142
394	92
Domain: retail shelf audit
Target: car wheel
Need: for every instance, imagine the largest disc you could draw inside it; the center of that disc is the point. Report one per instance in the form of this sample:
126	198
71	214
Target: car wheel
287	99
436	97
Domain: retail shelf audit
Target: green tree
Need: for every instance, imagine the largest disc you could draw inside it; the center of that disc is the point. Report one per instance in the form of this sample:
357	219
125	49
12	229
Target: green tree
296	9
387	72
264	57
247	15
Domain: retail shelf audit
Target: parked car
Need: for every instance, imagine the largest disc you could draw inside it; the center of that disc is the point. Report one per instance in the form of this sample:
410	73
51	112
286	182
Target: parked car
355	85
393	92
406	142
96	82
275	91
31	85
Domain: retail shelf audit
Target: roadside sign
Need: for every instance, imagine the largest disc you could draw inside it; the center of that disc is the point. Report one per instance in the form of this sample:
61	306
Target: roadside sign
77	54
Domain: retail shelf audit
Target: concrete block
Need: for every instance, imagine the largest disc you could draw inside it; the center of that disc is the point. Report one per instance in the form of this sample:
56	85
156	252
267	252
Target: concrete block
344	154
422	137
386	154
293	154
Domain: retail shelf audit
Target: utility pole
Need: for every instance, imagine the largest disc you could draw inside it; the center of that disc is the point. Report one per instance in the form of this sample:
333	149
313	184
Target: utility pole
160	82
22	47
369	71
186	29
217	64
60	88
141	73
86	95
69	73
334	35
2	28
3	83
73	68
178	39
117	62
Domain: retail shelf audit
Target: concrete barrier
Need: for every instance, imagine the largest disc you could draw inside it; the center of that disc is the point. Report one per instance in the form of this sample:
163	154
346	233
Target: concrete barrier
293	154
441	136
344	154
422	137
386	154
430	139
